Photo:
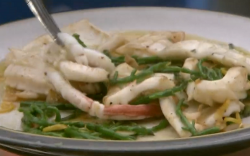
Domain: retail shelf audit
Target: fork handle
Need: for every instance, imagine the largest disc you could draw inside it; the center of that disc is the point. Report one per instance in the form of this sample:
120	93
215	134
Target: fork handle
39	10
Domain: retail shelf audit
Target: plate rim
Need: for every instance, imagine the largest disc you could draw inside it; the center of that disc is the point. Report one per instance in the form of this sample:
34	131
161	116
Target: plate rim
66	144
217	140
130	7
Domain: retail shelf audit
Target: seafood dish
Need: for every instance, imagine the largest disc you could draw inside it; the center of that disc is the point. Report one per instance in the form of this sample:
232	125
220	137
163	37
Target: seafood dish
124	85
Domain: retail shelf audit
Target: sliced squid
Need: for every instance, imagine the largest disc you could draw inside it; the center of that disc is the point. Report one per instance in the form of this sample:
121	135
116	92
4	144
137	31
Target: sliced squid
112	43
123	70
30	55
123	94
27	79
27	95
151	43
94	58
131	91
89	34
190	63
204	49
94	108
232	86
166	75
39	44
82	73
21	57
213	116
14	55
55	54
168	107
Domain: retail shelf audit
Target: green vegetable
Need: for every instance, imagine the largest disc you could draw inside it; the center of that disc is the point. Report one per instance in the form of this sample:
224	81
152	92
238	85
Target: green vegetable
60	106
76	133
77	37
65	107
56	111
231	46
96	97
191	126
106	132
75	124
102	130
138	130
148	60
39	111
219	73
203	73
49	112
207	131
246	111
176	69
168	92
74	115
115	60
163	124
36	131
35	119
29	118
144	73
140	60
209	73
201	68
99	96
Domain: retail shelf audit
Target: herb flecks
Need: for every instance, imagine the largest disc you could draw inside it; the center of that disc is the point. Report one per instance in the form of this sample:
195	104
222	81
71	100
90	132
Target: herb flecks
231	46
194	50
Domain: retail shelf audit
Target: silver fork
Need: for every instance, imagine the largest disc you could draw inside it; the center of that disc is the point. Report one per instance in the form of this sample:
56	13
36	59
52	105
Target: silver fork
41	13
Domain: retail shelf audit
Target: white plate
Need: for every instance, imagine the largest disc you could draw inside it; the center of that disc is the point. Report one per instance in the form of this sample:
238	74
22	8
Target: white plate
212	25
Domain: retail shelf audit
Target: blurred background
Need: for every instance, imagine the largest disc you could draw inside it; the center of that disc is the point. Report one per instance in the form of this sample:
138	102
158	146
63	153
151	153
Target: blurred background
11	10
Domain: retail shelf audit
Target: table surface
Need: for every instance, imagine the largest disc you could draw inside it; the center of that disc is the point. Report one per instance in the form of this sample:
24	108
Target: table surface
245	152
17	10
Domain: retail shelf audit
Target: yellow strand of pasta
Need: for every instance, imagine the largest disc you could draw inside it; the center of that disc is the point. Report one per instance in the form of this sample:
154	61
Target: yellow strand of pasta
6	107
222	109
230	119
56	127
224	71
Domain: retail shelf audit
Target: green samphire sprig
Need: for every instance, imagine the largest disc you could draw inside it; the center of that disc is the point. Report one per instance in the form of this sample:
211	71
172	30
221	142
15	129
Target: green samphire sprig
36	117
